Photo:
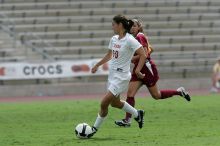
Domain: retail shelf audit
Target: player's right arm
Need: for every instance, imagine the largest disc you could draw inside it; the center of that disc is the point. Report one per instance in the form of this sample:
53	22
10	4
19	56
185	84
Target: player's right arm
105	59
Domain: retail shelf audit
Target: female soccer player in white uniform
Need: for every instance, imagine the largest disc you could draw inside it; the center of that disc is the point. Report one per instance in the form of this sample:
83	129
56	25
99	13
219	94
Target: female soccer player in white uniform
122	47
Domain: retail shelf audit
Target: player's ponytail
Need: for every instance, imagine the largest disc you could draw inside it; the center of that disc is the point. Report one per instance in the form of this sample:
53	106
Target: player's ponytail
130	24
126	23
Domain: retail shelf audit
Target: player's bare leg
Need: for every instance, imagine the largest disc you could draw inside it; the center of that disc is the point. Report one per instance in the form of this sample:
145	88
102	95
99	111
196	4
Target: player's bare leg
132	90
117	103
138	114
106	101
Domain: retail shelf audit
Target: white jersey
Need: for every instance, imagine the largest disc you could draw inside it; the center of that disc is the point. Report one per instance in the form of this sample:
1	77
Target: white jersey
122	52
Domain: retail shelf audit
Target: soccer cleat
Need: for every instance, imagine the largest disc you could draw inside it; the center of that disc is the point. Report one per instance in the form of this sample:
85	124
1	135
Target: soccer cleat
123	123
140	118
214	90
94	130
184	94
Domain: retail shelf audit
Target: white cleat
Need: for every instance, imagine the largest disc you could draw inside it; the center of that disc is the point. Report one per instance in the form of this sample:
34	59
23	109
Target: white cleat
184	93
214	90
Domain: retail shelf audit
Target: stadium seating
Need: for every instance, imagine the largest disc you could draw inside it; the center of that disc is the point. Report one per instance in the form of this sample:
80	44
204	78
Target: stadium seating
184	34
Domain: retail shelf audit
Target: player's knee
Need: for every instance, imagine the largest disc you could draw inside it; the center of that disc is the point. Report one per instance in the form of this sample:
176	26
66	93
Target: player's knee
115	105
156	96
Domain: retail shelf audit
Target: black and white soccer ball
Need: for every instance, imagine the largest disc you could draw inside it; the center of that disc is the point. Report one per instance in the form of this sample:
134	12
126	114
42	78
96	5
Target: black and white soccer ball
83	130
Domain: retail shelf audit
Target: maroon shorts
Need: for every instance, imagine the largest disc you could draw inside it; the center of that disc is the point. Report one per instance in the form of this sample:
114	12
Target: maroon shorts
151	74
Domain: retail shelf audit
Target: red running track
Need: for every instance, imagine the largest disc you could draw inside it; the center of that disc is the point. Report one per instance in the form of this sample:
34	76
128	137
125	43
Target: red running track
77	97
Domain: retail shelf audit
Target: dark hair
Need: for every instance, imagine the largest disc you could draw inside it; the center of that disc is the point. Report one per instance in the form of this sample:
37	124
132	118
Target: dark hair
126	23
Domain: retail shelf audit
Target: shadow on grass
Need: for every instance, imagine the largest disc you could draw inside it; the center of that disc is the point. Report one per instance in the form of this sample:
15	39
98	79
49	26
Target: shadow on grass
98	139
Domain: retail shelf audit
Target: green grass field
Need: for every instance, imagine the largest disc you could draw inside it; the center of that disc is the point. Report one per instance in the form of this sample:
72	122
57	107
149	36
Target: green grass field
167	123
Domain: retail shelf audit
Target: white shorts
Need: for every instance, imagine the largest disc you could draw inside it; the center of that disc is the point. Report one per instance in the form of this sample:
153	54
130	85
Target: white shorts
118	81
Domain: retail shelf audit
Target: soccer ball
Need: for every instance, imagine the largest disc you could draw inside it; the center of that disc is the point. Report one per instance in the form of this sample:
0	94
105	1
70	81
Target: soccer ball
83	130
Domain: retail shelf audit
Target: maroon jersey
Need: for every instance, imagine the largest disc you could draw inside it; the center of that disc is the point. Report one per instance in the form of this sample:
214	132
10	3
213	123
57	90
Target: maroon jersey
143	40
149	68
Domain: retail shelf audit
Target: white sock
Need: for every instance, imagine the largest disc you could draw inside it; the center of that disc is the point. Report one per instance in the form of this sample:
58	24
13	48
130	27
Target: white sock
98	121
129	109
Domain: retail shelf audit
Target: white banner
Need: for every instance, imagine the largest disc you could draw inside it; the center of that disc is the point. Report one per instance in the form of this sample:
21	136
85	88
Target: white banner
58	69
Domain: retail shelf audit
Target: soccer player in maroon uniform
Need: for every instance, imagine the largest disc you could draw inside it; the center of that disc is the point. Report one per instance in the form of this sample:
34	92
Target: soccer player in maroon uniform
150	79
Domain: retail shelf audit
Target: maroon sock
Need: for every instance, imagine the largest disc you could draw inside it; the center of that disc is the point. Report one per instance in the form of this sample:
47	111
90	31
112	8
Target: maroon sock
131	101
168	93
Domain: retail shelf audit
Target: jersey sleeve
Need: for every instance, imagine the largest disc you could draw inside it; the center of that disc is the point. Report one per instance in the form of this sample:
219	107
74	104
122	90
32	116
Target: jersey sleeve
110	44
134	44
142	40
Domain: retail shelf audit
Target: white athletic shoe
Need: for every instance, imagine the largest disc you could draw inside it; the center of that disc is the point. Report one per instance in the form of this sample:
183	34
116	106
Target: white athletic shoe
94	130
184	93
123	123
214	90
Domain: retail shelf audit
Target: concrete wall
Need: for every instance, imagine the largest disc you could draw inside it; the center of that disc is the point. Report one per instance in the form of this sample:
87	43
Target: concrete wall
93	88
